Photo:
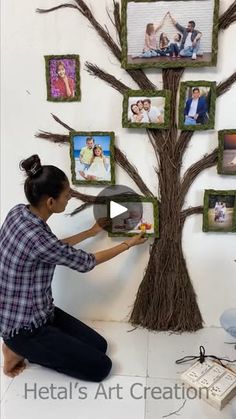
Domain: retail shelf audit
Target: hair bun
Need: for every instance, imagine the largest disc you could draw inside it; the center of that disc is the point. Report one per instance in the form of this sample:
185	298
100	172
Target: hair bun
32	166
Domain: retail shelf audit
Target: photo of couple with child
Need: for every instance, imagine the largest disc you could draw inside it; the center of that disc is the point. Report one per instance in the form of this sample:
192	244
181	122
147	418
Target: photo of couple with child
91	156
143	110
173	33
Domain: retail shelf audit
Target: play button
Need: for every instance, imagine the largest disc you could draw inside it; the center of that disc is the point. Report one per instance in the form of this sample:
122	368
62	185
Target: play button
116	209
121	205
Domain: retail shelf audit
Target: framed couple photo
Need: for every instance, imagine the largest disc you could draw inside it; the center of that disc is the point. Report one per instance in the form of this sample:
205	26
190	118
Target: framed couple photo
141	216
227	152
197	105
63	78
169	33
219	211
146	109
92	158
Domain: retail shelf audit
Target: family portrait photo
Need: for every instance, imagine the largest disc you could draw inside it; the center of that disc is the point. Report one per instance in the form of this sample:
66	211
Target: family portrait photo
227	152
63	78
219	211
146	109
92	158
197	105
178	33
136	220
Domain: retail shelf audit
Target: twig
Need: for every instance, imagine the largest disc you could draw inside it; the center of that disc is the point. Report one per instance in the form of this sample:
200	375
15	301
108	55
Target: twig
176	411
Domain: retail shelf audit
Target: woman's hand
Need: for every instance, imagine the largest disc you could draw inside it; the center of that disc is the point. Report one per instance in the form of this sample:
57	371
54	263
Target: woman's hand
136	240
99	226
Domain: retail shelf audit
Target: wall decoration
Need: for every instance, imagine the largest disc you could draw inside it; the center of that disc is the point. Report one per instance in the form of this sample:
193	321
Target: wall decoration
156	306
219	211
156	33
146	109
136	219
197	105
227	152
63	78
92	158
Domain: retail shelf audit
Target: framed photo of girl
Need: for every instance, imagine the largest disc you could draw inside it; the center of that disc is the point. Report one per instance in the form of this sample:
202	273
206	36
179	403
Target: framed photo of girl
146	109
141	216
197	105
227	152
169	33
219	212
92	158
63	78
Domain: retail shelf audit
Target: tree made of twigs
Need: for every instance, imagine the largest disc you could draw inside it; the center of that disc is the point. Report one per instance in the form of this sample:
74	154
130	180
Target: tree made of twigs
166	299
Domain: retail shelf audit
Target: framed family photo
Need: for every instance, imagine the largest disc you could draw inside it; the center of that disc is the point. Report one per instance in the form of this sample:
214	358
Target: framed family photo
92	158
197	105
169	33
219	211
138	218
146	109
63	78
227	152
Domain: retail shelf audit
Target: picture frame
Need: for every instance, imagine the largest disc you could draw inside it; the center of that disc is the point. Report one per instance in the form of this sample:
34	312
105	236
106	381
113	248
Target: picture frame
205	110
136	15
153	226
58	67
86	166
219	212
227	152
158	102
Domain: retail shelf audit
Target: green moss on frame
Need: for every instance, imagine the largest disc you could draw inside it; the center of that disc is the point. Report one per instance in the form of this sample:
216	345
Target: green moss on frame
206	227
176	63
112	158
77	96
137	198
166	94
197	83
221	136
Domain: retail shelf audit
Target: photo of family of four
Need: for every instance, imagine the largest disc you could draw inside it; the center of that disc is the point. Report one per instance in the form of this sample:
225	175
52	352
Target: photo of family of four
221	212
91	155
146	111
196	106
185	43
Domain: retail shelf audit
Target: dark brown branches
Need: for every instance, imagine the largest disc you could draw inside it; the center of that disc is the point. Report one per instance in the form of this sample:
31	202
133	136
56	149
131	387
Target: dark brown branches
61	6
228	17
55	138
190	211
121	159
171	80
116	22
89	199
182	144
95	71
190	175
225	85
80	208
59	121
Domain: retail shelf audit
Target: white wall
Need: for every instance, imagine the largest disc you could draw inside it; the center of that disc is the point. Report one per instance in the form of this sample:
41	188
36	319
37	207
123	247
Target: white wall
108	291
140	14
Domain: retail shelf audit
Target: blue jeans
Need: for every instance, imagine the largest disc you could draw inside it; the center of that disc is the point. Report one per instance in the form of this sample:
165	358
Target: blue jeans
174	49
149	54
228	321
189	51
190	121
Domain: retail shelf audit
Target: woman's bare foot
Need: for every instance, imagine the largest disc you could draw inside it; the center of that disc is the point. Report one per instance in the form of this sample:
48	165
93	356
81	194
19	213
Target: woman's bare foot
14	364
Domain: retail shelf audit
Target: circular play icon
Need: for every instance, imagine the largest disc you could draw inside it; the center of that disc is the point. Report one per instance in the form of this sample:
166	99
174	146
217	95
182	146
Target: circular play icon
121	206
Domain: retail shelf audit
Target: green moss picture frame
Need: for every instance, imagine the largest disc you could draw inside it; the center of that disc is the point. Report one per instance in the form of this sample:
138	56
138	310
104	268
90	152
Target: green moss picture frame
56	90
129	61
133	199
214	220
146	94
107	143
211	98
227	152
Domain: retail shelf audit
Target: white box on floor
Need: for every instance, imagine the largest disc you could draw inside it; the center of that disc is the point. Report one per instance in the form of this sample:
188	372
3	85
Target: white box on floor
215	383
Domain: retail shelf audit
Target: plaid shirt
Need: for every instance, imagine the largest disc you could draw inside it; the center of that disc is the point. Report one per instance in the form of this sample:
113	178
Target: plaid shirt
29	253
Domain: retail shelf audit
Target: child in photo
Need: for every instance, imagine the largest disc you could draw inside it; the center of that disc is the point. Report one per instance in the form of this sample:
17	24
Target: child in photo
98	166
164	45
86	153
175	46
63	85
134	218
